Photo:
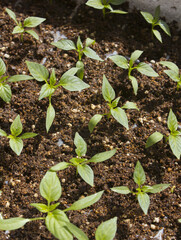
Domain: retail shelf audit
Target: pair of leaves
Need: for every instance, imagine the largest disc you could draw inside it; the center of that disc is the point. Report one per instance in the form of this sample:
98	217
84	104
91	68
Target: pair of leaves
15	141
174	138
143	68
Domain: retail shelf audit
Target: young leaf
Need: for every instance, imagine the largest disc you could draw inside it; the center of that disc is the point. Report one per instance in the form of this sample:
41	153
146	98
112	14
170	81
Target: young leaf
79	43
77	232
146	70
16	127
50	116
100	157
115	102
86	173
38	71
85	202
107	90
157	35
95	4
120	116
135	55
2	67
139	174
94	121
2	133
18	78
18	29
81	145
107	230
158	188
16	145
52	78
164	27
32	33
157	14
91	54
70	72
130	105
134	84
5	92
89	42
170	65
73	83
153	138
175	145
50	187
40	207
80	72
118	11
120	61
59	166
28	135
121	190
172	122
173	75
147	16
13	223
146	188
46	91
144	202
65	44
12	15
33	21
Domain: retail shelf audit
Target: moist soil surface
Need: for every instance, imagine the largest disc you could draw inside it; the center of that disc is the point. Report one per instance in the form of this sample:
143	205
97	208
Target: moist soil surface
20	176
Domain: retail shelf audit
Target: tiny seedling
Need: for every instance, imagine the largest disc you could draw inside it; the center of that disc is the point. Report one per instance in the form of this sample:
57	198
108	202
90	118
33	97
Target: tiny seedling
174	137
15	141
106	4
5	89
173	72
142	67
56	220
141	192
156	21
81	163
26	26
106	230
118	113
67	45
67	81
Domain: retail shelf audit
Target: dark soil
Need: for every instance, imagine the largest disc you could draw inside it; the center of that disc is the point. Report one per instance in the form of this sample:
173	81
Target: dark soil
20	176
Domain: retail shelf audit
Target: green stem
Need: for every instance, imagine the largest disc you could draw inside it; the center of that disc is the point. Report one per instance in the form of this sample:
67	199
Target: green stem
39	218
104	12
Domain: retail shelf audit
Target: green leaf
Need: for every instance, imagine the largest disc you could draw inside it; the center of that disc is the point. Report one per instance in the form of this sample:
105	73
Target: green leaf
2	133
95	4
50	116
157	35
153	138
100	157
121	190
65	44
81	145
147	16
120	61
52	78
18	78
115	102
117	2
28	135
77	232
38	71
85	202
59	166
107	90
130	105
175	145
94	121
73	83
32	33
12	15
2	67
107	230
46	91
80	72
120	116
86	173
3	78
146	70
18	29
33	21
79	43
146	188
164	27
172	122
144	202
157	14
173	75
171	65
89	42
16	127
50	187
40	207
135	55
16	145
91	54
134	84
70	72
139	174
118	11
158	188
5	92
77	161
13	223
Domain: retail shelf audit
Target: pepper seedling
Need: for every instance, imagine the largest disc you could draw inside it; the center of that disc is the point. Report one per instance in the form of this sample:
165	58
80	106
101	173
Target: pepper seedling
141	192
67	81
15	141
5	89
56	220
106	4
67	45
117	112
173	72
26	26
174	137
81	163
141	67
155	20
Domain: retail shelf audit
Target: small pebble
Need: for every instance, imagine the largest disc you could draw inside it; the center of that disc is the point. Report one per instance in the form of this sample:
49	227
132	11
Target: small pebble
6	55
159	119
153	61
153	227
156	220
63	180
93	106
36	195
169	169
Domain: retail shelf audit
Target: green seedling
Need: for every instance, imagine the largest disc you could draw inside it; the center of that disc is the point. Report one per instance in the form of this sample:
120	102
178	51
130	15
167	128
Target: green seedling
117	113
67	81
56	220
67	45
141	67
173	72
141	192
26	26
174	137
156	21
107	230
81	163
15	141
5	89
106	4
